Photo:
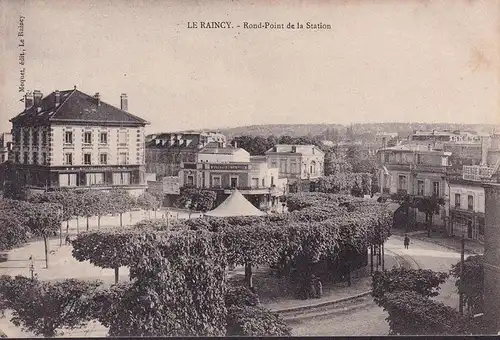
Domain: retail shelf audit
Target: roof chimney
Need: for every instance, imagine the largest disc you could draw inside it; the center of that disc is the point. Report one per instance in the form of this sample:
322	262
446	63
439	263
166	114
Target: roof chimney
57	94
28	100
97	96
37	98
124	102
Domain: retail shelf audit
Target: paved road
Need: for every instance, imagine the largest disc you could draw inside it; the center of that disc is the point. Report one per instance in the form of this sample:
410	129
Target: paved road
363	316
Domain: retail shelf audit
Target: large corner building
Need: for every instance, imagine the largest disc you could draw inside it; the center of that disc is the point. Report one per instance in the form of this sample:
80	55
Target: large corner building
70	139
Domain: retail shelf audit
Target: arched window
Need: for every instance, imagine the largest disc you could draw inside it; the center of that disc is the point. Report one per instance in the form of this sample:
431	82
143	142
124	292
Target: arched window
313	167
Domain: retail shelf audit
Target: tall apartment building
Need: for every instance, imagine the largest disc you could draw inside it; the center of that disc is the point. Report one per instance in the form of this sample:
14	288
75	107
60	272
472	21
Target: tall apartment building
165	152
70	139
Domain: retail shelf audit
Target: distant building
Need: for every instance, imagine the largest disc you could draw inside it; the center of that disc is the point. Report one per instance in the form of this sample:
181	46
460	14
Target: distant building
297	162
69	139
444	139
384	139
165	152
222	169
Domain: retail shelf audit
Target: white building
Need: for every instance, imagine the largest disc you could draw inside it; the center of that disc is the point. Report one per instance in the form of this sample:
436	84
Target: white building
297	161
71	139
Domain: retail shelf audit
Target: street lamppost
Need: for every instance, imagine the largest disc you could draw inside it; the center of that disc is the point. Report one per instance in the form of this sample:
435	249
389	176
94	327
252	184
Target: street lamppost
32	267
461	287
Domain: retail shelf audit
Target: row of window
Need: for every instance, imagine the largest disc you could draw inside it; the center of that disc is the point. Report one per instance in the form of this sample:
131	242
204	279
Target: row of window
217	181
71	180
69	137
87	137
26	137
103	158
403	185
470	201
69	159
44	160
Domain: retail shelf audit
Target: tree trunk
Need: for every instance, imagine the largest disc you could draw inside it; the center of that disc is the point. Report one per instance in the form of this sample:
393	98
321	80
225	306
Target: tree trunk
67	227
60	235
429	226
46	244
248	275
349	273
155	214
87	223
383	259
98	221
371	260
117	269
130	217
121	219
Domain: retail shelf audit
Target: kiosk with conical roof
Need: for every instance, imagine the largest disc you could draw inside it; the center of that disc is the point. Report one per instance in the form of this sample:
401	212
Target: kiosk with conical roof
235	205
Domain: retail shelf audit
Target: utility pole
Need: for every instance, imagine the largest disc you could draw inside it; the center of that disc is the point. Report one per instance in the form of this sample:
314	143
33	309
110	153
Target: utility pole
462	256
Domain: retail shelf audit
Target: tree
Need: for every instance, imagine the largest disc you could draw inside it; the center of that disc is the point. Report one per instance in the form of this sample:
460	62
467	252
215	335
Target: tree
421	281
45	307
177	288
430	206
148	202
197	199
110	249
45	220
256	146
473	282
120	202
334	164
411	313
254	321
104	206
91	201
14	222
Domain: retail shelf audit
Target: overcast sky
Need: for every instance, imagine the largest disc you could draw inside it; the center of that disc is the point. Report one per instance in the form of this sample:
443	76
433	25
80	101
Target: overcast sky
381	61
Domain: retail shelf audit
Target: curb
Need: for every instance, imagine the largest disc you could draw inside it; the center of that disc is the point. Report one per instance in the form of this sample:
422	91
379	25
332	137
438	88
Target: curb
399	261
319	305
431	240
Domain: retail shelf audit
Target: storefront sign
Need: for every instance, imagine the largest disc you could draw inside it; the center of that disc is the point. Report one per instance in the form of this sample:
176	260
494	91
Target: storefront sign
228	167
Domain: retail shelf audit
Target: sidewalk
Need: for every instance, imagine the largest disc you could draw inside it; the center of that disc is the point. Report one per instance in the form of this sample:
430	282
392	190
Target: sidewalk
333	292
452	242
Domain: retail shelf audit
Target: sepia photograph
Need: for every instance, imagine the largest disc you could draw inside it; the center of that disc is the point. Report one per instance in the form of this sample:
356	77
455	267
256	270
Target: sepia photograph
232	168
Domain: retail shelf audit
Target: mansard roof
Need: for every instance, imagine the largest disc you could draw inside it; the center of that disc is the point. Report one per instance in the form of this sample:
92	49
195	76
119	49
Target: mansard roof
76	107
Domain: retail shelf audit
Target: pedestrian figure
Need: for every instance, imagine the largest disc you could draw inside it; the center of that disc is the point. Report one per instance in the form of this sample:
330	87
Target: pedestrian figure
67	240
407	241
319	289
312	289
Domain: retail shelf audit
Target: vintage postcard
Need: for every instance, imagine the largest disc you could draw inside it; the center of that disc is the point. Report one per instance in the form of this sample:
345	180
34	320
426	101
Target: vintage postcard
236	168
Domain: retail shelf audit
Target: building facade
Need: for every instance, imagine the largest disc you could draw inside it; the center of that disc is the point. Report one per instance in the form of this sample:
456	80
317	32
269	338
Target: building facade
5	146
418	171
296	162
225	169
69	139
492	258
466	209
165	152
